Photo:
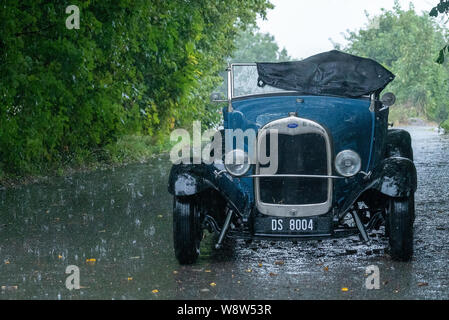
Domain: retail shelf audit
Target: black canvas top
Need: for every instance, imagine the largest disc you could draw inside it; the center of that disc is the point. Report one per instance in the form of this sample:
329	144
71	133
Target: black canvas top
328	73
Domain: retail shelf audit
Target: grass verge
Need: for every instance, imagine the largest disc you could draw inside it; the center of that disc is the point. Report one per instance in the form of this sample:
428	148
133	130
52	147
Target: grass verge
126	150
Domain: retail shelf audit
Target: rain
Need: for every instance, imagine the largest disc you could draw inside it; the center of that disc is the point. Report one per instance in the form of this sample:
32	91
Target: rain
115	225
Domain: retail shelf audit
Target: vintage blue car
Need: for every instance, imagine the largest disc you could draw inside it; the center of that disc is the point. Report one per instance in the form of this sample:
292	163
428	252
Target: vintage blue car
317	159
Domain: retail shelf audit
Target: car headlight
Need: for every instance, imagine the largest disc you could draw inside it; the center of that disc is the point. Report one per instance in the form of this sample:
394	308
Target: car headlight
237	162
348	163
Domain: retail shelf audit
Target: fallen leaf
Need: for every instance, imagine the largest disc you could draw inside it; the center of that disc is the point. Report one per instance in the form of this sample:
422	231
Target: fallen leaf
155	291
59	257
272	274
249	270
91	261
279	263
7	262
344	289
326	268
422	284
260	265
130	278
9	287
213	284
208	271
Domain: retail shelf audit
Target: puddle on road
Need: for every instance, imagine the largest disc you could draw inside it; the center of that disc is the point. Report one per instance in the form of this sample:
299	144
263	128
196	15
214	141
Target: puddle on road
116	226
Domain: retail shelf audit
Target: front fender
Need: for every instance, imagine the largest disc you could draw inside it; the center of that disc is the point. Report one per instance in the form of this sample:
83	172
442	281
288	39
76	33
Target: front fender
399	144
395	177
187	180
192	179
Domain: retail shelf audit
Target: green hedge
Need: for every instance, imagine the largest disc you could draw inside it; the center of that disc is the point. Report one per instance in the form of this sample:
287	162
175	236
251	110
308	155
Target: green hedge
133	67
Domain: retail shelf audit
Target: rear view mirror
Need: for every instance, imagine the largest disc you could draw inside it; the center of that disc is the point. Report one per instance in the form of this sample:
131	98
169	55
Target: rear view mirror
217	97
388	99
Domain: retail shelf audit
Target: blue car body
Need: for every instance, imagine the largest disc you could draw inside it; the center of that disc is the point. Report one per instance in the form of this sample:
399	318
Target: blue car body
350	124
359	124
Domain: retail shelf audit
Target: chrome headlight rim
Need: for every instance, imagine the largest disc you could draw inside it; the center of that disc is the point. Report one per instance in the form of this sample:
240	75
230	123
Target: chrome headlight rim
348	155
231	167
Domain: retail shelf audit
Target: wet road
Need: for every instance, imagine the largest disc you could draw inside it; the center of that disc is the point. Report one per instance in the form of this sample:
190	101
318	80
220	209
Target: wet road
116	226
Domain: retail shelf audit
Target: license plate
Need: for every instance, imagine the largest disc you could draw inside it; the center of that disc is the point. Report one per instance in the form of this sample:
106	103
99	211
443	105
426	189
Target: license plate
292	225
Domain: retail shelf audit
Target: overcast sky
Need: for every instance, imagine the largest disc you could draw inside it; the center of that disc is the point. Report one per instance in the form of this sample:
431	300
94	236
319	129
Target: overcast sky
304	27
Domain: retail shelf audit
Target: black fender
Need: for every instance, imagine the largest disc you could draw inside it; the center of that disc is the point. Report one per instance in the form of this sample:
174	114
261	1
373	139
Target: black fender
187	180
399	144
394	177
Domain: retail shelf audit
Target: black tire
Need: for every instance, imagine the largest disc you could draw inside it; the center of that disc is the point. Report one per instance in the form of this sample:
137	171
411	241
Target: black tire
400	215
387	228
187	231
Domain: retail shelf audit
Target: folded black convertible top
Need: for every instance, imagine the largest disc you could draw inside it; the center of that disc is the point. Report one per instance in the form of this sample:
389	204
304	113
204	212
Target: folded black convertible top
328	73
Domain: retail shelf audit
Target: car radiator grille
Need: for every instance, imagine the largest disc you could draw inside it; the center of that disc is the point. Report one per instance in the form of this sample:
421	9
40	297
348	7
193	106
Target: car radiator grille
297	154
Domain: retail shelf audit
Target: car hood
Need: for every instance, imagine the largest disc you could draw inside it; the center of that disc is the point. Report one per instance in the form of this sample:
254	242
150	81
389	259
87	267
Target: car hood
349	122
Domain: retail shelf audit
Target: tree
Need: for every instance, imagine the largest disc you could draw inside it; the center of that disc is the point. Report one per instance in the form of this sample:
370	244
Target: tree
254	46
136	67
405	43
441	8
250	46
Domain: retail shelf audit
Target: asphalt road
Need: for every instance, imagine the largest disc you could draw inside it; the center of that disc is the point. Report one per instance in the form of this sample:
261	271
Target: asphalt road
116	227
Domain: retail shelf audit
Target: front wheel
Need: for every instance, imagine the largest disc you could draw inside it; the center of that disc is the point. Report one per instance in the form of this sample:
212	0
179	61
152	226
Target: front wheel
400	215
187	231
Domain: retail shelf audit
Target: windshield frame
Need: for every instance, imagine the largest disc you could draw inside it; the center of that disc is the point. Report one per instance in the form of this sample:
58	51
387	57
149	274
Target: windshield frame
230	89
231	94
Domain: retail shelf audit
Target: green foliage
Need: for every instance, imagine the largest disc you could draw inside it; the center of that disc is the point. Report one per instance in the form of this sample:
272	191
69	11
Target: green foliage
441	8
405	43
401	114
132	148
441	55
445	125
253	46
133	67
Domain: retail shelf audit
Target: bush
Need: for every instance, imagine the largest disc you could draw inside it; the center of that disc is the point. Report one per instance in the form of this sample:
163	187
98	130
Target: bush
445	126
401	114
133	148
133	67
391	38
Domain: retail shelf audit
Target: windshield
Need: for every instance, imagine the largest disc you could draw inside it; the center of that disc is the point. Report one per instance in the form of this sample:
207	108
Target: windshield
244	81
